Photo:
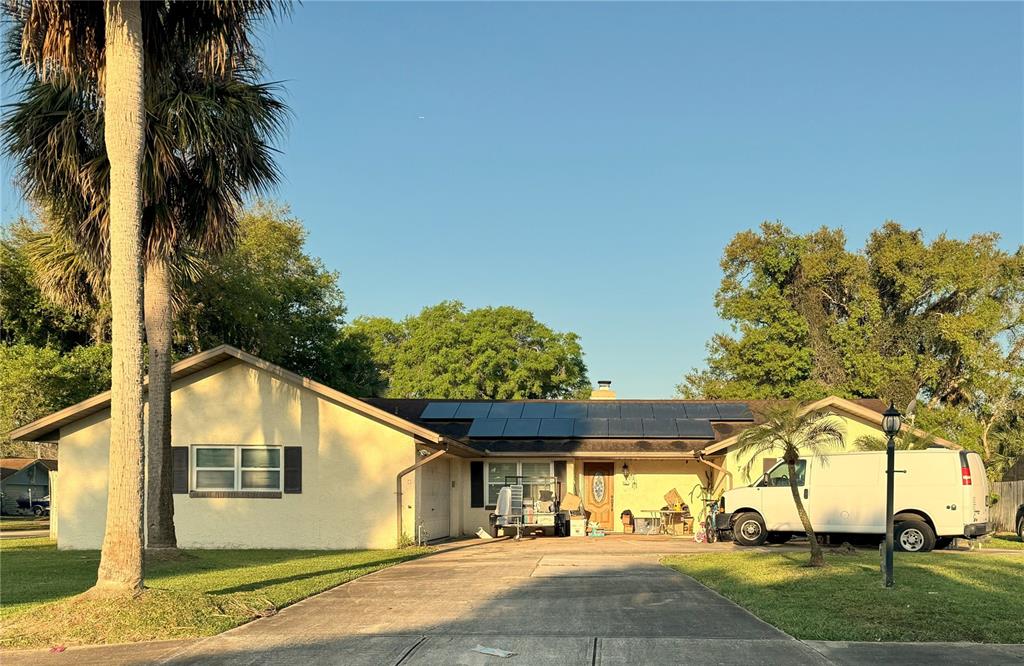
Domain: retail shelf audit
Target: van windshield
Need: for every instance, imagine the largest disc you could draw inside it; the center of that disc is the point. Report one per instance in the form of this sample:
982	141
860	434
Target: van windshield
778	477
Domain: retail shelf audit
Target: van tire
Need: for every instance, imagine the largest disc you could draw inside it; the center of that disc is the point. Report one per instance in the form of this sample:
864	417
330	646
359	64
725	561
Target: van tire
748	529
1020	528
914	536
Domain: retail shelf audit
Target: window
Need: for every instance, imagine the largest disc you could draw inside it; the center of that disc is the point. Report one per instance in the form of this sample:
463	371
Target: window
237	468
779	477
496	472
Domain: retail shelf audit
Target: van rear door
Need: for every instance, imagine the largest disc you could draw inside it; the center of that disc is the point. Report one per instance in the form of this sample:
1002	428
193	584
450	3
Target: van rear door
975	488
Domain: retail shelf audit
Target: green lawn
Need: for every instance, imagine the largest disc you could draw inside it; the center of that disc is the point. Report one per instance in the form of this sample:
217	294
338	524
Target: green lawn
199	593
16	523
1007	540
938	596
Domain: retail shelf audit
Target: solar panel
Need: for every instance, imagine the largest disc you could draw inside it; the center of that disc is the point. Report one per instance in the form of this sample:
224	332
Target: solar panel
701	410
539	410
440	411
731	411
590	428
636	410
628	427
506	410
556	427
603	410
570	410
695	428
660	428
522	428
487	427
473	410
668	410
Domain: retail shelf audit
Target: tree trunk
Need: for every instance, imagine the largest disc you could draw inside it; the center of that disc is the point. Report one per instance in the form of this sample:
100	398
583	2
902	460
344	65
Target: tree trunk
159	329
120	568
817	558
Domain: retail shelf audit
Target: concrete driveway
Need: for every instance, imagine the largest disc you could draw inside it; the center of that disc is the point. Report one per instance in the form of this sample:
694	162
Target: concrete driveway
551	601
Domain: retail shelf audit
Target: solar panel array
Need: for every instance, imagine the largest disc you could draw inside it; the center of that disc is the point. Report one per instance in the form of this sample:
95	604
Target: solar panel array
650	420
488	428
597	409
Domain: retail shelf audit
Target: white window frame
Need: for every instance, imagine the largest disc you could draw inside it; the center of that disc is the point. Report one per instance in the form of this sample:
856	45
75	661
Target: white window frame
519	472
237	468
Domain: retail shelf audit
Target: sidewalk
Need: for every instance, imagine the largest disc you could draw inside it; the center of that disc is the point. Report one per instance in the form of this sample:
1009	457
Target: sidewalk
24	534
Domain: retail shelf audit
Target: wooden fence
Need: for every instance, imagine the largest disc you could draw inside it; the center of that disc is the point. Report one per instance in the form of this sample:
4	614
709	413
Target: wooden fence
1011	496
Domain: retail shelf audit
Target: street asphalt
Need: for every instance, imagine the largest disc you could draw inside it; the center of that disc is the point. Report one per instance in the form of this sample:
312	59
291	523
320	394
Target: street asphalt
551	601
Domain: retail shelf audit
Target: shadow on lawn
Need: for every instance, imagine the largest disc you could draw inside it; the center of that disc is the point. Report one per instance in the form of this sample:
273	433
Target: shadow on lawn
269	582
37	573
976	598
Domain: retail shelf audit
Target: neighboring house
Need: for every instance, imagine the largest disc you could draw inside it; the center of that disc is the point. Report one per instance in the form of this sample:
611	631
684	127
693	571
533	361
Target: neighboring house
264	458
24	479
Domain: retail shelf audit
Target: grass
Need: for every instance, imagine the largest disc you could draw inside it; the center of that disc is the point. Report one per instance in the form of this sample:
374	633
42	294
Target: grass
17	523
938	596
1006	540
196	593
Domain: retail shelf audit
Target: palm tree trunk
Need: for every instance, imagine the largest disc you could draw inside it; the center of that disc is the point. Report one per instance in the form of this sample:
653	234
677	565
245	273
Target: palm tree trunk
159	329
817	558
120	569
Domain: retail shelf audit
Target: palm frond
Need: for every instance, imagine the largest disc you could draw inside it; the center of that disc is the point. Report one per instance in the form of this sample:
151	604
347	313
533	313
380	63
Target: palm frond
65	274
788	431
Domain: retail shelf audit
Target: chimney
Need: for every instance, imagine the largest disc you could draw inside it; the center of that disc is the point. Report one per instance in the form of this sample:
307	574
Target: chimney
603	391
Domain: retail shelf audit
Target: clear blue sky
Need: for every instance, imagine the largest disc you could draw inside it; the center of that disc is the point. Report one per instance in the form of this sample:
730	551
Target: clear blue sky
588	162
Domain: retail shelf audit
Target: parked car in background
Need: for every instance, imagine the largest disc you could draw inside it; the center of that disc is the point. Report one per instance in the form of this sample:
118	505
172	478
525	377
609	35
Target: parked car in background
41	507
941	494
1019	522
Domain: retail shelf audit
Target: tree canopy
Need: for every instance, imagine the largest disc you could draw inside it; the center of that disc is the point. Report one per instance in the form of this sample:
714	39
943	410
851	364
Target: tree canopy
447	351
939	323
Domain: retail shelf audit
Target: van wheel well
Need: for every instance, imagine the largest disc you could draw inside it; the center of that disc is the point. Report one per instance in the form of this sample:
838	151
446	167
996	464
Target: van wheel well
743	510
913	514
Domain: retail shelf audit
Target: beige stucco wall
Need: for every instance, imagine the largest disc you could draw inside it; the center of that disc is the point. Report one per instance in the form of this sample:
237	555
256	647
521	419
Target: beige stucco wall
649	481
735	461
349	467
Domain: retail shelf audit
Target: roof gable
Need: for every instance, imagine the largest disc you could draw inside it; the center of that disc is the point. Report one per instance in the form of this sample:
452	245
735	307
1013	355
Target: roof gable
203	360
11	466
857	409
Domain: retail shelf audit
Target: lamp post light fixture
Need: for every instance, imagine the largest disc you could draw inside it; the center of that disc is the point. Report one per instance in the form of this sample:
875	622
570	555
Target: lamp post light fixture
892	420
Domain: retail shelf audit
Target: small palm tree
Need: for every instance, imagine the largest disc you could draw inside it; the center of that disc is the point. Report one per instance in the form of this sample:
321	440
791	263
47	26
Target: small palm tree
908	440
793	432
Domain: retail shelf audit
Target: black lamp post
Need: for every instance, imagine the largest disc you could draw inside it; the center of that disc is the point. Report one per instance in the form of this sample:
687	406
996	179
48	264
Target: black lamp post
891	422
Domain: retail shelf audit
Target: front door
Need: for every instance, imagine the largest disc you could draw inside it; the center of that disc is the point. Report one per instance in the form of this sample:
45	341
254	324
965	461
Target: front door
598	478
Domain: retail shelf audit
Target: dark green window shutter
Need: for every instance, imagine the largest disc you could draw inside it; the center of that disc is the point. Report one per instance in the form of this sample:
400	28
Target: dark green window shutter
293	469
476	484
179	470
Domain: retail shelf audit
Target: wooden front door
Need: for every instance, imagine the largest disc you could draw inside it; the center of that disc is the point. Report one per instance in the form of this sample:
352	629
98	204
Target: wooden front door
598	480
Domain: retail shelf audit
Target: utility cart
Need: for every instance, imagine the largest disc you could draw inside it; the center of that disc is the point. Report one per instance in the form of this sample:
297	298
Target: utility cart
529	503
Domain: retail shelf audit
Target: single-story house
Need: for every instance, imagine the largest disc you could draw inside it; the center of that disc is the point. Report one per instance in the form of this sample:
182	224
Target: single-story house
265	458
23	480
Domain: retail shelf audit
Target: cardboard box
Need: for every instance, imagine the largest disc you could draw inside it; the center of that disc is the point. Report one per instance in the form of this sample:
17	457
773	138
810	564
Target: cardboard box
577	527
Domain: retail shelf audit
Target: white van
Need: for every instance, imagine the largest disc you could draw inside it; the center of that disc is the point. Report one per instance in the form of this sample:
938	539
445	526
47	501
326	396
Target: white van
940	494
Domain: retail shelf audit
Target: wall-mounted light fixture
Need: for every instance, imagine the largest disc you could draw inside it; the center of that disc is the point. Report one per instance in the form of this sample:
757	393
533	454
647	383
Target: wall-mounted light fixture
625	471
